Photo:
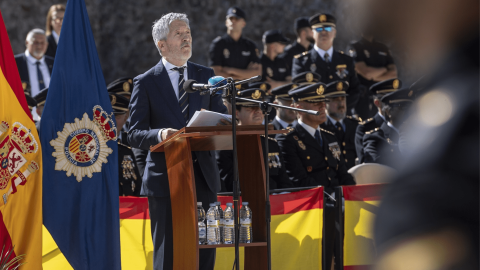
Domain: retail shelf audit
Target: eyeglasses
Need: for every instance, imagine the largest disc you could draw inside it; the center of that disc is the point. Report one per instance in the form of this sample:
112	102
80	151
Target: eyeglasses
325	28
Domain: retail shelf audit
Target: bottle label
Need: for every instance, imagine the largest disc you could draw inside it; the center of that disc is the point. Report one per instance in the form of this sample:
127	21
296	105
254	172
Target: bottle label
212	223
229	222
202	233
246	221
222	222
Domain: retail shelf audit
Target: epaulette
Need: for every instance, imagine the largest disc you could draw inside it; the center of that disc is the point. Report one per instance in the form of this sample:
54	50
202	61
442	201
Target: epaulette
341	52
352	118
217	39
366	121
289	130
124	145
301	54
270	138
371	131
326	131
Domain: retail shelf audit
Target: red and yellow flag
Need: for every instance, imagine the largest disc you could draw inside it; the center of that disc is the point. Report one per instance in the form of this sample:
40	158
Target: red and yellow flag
20	165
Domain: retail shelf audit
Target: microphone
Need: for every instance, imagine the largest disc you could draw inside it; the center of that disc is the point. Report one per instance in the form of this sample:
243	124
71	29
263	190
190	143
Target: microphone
191	86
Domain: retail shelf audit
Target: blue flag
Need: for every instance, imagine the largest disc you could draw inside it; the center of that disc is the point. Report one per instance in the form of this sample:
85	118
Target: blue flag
80	164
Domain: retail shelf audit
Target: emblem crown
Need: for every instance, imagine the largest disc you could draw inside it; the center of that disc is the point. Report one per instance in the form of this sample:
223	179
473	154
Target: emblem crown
3	127
24	138
105	123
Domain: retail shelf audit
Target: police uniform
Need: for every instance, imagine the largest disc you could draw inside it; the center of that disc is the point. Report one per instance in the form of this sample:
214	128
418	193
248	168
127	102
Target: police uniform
373	54
381	144
226	52
129	177
339	68
379	90
265	86
281	93
278	176
345	131
276	69
295	48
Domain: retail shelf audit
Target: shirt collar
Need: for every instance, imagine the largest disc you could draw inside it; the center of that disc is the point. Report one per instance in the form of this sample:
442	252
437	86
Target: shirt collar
32	60
55	36
169	65
309	129
322	52
283	123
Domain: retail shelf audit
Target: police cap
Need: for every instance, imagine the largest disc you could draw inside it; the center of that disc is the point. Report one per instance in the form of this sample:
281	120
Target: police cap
272	36
322	19
336	89
385	87
119	103
300	23
398	98
236	12
309	93
281	92
122	86
306	77
251	93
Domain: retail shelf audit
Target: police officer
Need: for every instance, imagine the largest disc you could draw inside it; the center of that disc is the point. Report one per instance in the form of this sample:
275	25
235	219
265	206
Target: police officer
249	113
378	90
338	122
129	177
284	118
303	43
233	55
121	86
274	68
381	144
373	63
332	65
40	99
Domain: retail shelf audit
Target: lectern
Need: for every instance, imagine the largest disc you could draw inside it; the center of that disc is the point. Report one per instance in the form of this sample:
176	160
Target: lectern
251	170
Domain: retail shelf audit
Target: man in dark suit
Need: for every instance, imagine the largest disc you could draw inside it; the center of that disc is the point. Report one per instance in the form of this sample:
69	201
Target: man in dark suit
339	123
158	108
332	65
377	90
34	66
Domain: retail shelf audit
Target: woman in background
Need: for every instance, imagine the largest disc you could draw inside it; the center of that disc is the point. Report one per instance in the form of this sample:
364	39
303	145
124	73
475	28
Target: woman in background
53	27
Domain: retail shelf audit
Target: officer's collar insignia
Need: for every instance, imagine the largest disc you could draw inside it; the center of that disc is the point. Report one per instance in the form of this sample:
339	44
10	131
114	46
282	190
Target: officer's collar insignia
309	77
263	87
256	94
126	87
301	145
339	86
320	90
396	84
335	149
322	18
81	147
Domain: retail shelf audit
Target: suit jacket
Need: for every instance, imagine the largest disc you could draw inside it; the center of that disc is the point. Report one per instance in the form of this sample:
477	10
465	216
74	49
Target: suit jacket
309	164
21	60
52	46
367	125
341	67
154	106
381	146
347	141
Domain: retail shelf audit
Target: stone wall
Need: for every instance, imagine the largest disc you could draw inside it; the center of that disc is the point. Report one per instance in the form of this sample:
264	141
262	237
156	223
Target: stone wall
122	28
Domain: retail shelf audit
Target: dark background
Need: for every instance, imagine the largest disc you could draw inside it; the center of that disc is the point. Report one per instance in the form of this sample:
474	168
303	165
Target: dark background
122	28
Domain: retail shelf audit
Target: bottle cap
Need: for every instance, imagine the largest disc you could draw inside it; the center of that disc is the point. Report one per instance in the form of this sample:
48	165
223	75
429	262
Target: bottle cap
217	203
212	205
199	203
229	204
244	203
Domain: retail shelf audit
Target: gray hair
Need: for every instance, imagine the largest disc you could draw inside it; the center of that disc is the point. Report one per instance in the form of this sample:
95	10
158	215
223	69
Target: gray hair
34	32
161	27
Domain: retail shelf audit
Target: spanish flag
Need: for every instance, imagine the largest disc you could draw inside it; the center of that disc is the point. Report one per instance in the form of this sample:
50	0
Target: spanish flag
20	165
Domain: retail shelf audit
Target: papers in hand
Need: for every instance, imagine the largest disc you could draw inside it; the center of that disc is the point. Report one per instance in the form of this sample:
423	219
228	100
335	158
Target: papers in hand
207	118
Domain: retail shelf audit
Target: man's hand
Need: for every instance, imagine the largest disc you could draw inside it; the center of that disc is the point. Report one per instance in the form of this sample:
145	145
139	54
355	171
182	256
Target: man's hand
224	122
167	133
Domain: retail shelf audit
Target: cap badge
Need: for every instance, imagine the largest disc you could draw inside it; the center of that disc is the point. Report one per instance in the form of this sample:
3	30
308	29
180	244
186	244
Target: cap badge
309	77
226	53
256	94
234	11
323	18
339	86
263	87
130	81
320	90
396	84
114	100
238	86
126	87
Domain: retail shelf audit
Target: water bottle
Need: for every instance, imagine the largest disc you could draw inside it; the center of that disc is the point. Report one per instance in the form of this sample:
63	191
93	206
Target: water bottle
245	223
229	229
213	230
222	220
202	229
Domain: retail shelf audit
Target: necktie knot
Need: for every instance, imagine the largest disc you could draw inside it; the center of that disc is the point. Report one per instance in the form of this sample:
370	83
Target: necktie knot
179	69
327	58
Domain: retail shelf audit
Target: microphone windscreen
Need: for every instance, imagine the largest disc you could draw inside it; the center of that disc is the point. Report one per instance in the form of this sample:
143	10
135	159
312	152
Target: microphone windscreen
217	81
187	86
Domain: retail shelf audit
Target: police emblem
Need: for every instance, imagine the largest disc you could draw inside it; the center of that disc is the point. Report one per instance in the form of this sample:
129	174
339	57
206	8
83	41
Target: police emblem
322	18
313	67
126	87
301	145
263	87
238	86
81	147
339	86
335	149
396	83
295	137
226	53
367	53
320	90
269	72
342	71
256	94
309	77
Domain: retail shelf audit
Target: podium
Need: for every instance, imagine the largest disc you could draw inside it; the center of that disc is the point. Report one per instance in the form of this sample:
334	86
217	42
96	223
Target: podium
251	169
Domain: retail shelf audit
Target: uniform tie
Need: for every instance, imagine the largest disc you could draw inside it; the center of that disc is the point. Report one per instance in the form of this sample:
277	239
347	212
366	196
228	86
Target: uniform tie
182	95
41	84
327	58
318	137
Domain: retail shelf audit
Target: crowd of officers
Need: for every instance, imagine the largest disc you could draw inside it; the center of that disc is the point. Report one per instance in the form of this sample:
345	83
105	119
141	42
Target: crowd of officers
360	100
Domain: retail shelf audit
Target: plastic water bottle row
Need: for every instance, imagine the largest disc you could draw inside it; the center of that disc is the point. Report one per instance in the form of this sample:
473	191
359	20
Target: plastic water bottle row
219	227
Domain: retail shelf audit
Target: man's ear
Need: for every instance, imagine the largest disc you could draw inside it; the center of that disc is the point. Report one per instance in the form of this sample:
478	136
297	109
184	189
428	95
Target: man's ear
377	103
161	45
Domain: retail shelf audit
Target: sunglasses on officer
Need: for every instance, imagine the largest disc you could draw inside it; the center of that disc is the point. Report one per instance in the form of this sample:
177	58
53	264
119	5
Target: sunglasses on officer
324	28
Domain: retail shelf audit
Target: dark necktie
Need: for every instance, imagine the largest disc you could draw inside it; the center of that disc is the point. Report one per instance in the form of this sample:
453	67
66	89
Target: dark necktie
340	132
182	95
327	58
318	137
41	84
289	126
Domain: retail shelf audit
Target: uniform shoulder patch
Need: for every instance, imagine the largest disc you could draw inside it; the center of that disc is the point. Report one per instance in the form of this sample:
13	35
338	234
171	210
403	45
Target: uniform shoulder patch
352	118
301	54
371	131
326	131
217	39
366	121
341	52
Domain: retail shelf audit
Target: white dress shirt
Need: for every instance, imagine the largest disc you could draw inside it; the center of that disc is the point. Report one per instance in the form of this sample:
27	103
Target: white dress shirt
334	122
55	36
283	123
173	75
322	52
32	73
310	129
